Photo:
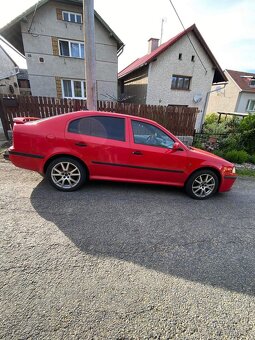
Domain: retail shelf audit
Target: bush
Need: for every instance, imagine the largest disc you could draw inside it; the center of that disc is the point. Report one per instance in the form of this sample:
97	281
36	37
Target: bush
211	118
232	141
252	159
247	130
219	153
237	156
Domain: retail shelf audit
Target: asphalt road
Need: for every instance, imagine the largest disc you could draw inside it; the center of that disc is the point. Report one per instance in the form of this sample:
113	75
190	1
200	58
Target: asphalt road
120	261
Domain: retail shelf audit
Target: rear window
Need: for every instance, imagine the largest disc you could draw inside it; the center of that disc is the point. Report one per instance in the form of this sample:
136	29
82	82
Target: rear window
104	127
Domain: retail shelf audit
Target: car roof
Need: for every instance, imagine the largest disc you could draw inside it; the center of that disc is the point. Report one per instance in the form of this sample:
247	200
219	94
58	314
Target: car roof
79	114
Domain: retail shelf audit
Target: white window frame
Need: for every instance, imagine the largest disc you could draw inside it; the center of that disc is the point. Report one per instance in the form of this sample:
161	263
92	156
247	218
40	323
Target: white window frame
70	50
83	82
69	15
250	106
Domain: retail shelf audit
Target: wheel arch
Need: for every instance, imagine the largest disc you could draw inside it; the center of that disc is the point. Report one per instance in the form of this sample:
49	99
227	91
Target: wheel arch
216	171
49	160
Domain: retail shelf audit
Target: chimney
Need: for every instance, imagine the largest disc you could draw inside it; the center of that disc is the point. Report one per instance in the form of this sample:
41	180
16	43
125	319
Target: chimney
152	44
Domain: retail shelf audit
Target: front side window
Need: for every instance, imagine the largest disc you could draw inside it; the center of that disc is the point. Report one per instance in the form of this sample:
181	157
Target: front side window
180	82
73	88
104	127
147	134
72	17
71	49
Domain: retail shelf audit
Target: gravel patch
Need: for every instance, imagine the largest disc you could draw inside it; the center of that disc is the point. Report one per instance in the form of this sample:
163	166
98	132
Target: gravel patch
119	261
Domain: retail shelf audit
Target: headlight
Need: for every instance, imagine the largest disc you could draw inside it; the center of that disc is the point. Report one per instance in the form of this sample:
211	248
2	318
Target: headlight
229	169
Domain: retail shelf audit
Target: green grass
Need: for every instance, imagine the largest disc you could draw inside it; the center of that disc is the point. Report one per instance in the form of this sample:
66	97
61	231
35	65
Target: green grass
246	172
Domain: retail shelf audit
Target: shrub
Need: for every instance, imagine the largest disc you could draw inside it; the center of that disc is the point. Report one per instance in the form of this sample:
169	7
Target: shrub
233	141
252	159
211	118
215	128
219	153
198	144
237	156
247	130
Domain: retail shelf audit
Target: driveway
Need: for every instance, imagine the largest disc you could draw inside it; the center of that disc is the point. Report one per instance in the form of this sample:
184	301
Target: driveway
121	261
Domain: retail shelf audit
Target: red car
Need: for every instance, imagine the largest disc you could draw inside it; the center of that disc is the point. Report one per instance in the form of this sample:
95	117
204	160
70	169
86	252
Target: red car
69	149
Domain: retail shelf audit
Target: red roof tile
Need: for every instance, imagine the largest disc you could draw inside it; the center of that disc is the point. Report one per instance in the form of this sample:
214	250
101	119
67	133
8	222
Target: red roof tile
140	62
242	79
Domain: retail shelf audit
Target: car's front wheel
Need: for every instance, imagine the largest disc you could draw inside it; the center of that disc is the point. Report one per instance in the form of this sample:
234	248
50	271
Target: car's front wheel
66	174
202	184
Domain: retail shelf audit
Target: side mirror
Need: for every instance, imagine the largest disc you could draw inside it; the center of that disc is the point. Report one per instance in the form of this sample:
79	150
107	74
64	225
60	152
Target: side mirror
177	147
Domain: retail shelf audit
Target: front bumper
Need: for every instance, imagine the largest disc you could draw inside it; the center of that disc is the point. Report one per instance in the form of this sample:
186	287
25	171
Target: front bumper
227	183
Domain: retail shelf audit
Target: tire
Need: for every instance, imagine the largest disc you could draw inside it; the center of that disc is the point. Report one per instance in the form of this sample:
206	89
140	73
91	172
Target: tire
202	184
66	174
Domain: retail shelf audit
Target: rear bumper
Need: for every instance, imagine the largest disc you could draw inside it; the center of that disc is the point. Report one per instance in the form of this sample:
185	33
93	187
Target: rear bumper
24	160
227	183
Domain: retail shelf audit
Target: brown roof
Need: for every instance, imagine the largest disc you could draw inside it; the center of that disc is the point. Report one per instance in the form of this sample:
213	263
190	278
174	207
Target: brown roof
242	79
145	60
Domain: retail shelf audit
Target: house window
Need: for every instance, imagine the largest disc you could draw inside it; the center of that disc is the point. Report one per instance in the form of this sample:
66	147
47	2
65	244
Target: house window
180	82
193	58
250	106
71	49
72	17
180	56
73	88
252	83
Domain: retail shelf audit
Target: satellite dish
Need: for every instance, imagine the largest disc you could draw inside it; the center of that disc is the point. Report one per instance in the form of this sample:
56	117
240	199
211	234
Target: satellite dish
197	98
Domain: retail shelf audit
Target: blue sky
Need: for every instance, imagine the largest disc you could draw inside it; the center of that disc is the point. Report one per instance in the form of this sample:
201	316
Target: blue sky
228	26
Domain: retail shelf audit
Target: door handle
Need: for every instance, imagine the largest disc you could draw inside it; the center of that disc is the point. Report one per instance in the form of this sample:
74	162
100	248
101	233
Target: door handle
137	152
82	144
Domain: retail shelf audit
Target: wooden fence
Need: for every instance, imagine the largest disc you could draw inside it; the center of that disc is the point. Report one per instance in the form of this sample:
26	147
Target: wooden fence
179	120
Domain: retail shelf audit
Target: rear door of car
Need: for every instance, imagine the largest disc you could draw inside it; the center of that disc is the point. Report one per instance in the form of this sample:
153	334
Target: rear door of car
103	144
152	158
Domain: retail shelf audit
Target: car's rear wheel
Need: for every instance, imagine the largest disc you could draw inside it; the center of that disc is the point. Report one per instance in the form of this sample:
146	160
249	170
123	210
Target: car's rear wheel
202	184
66	174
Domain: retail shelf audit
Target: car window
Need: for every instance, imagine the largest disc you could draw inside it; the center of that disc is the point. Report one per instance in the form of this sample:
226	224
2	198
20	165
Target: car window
148	134
104	127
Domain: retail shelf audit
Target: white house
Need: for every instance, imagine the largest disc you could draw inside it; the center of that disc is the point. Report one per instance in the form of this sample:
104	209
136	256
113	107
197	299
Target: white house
237	96
181	72
50	35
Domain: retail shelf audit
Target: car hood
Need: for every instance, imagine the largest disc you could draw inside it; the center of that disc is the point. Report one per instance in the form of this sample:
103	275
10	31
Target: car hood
206	155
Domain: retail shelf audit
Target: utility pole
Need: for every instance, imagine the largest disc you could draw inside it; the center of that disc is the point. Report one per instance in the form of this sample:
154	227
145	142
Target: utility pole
90	53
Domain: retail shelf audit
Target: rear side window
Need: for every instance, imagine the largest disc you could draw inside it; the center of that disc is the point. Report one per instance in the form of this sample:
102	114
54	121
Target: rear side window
104	127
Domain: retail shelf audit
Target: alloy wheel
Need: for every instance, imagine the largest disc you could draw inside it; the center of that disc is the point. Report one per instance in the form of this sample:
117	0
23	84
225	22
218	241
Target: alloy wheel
65	175
203	185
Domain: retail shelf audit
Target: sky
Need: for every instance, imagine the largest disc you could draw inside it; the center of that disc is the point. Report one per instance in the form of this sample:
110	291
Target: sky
228	26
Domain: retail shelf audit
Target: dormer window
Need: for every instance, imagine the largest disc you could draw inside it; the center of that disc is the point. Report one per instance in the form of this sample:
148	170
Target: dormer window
252	82
72	17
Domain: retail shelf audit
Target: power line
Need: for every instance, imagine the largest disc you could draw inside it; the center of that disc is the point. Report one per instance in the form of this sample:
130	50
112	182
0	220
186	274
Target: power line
29	29
188	36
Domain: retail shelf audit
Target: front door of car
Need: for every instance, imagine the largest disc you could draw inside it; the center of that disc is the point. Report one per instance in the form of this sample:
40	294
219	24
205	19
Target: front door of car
152	157
102	143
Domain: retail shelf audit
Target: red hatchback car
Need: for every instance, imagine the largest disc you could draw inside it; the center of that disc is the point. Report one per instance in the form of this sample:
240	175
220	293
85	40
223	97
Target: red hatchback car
70	149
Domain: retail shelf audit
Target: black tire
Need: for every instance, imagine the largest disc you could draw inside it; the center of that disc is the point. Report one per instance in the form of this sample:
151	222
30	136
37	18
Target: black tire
202	184
66	174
